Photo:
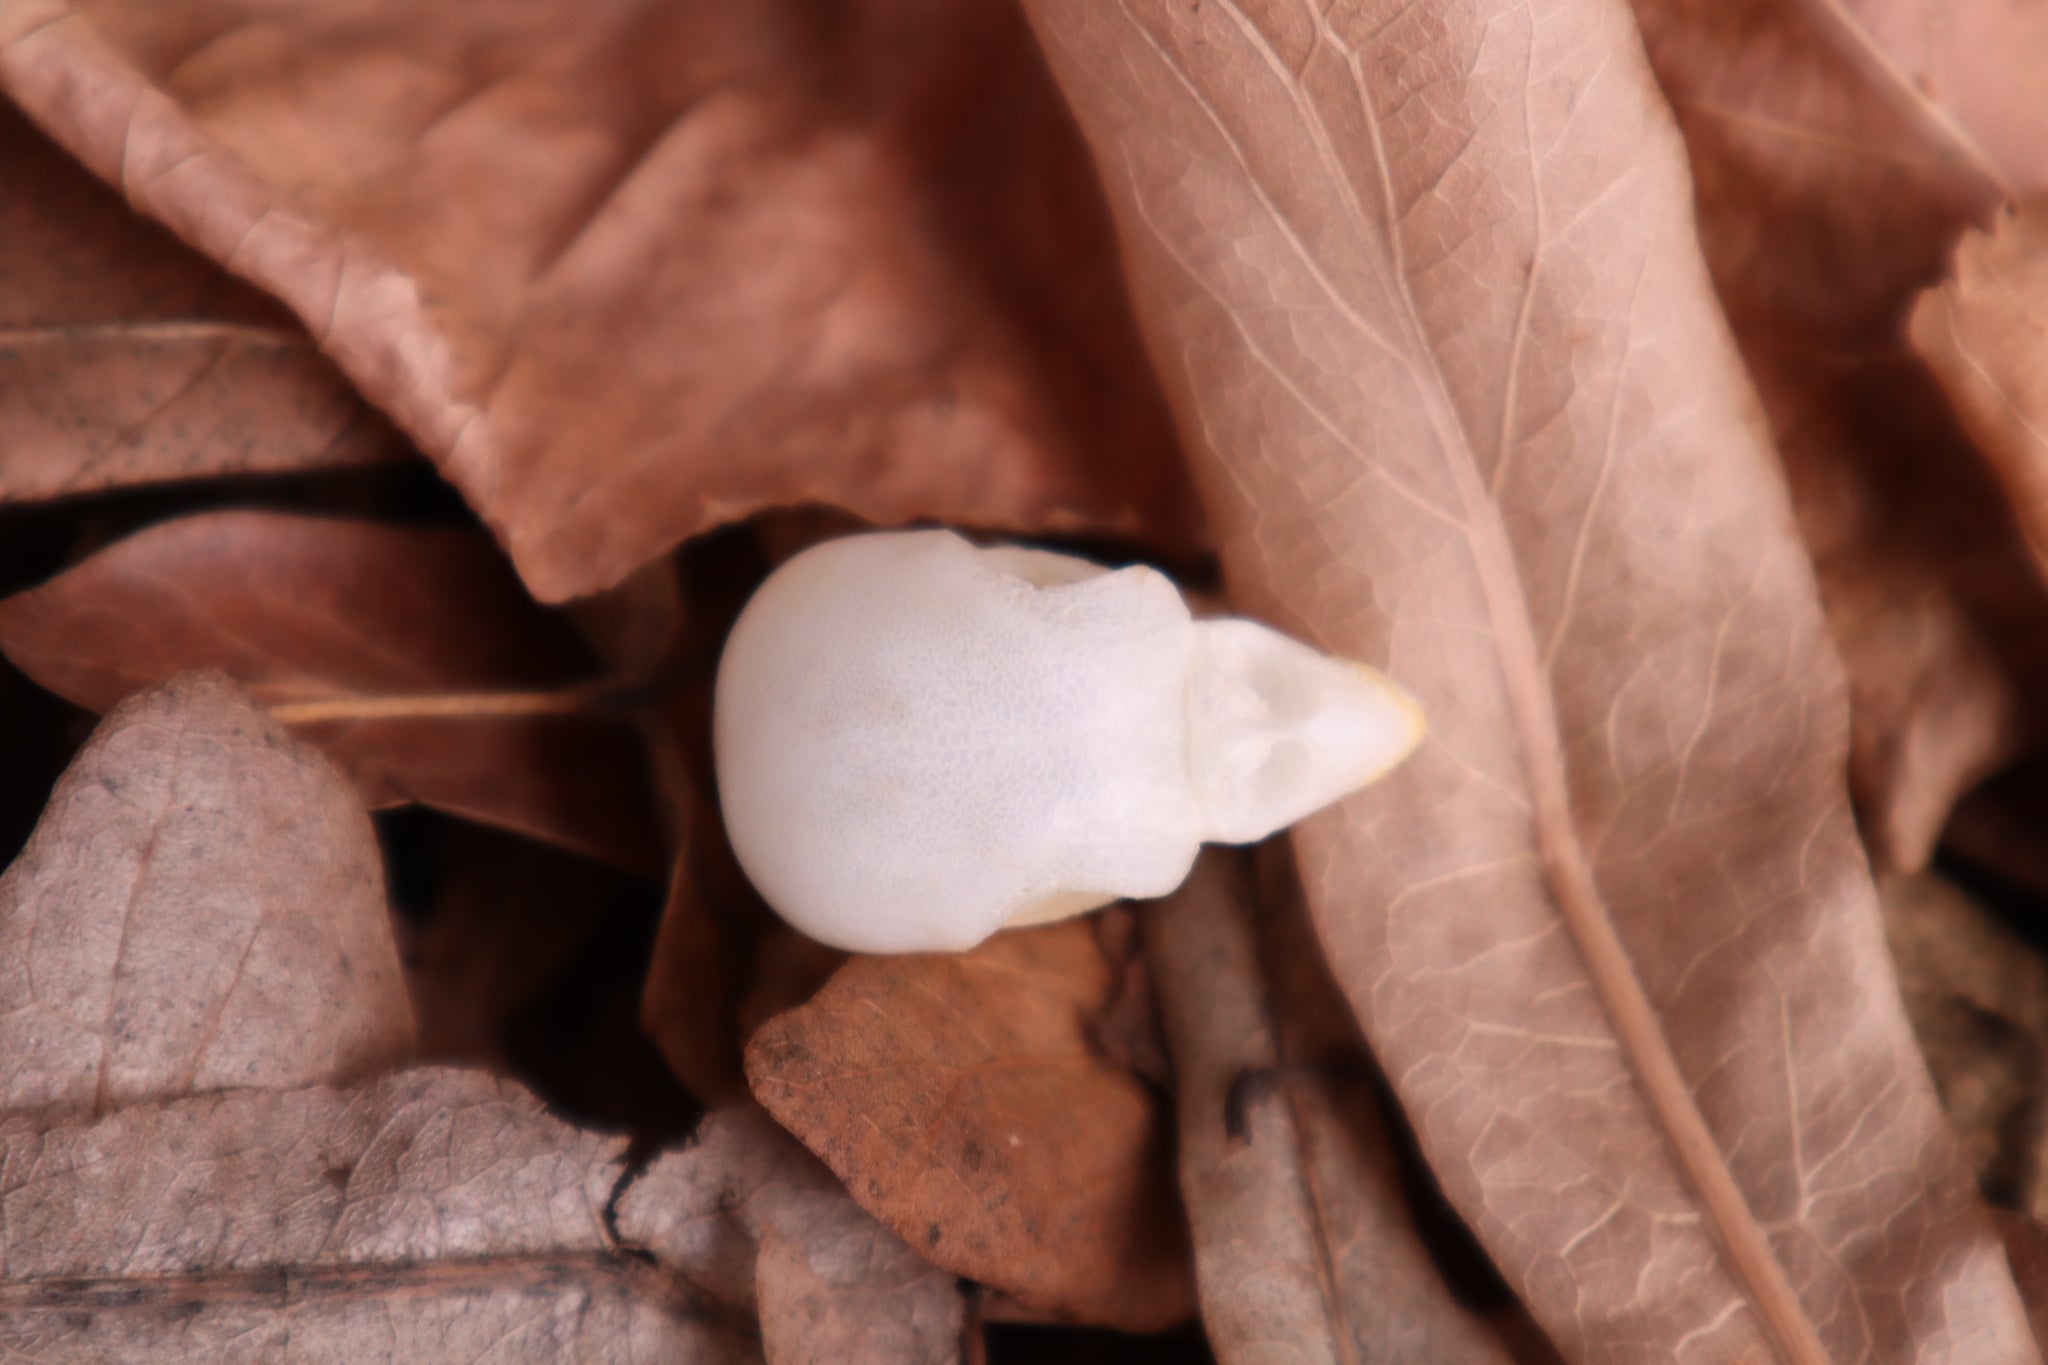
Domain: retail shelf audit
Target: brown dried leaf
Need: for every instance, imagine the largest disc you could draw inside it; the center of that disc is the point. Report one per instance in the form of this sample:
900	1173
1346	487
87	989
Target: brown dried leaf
1830	191
962	1100
879	211
1300	1229
1426	283
751	1219
430	1215
1978	998
2026	1247
201	908
307	609
128	358
1985	333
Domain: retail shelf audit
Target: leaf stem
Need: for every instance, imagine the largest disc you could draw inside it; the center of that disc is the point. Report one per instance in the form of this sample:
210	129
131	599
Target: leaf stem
567	701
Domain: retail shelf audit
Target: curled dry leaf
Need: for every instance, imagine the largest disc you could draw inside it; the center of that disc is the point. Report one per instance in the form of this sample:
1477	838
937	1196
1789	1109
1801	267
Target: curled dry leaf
1985	333
1301	1231
1426	284
879	211
429	1215
308	610
749	1218
128	358
201	908
1830	188
964	1103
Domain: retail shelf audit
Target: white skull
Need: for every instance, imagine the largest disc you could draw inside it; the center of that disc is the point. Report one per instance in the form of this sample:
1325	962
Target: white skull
920	742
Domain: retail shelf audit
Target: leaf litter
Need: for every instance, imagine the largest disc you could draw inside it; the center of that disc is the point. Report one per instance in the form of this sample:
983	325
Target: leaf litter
1667	426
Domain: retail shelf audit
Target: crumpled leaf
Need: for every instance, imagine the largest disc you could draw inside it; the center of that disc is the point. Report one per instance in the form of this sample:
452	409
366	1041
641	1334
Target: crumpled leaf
751	1219
310	609
202	907
879	212
430	1215
1426	284
1831	187
1300	1229
1985	333
962	1100
127	358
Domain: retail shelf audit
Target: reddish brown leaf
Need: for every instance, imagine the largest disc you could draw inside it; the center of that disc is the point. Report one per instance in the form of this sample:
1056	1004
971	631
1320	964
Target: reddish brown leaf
302	609
878	211
961	1100
749	1218
1426	283
1985	333
1301	1232
432	1215
128	358
201	908
1830	189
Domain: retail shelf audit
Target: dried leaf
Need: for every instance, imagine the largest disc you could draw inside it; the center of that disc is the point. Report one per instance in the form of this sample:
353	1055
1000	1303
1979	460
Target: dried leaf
1426	283
961	1099
1978	998
1300	1229
431	1215
879	212
1985	333
127	358
1830	191
202	907
750	1218
306	609
1966	72
2026	1247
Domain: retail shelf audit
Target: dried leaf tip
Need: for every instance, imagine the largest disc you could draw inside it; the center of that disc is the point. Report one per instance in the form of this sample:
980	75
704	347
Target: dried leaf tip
920	742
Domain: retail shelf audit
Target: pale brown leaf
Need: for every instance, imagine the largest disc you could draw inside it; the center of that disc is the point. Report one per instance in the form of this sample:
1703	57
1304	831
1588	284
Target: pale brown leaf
966	1105
127	358
1425	284
1827	199
1985	333
749	1218
1302	1240
630	272
1967	71
430	1215
310	609
201	908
